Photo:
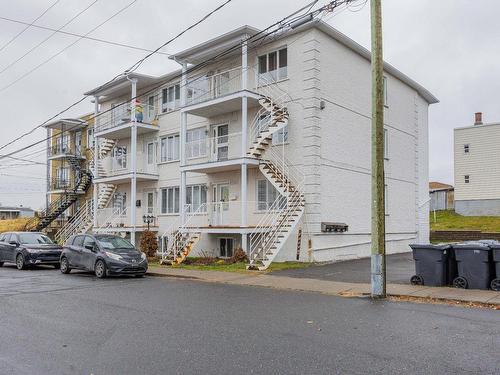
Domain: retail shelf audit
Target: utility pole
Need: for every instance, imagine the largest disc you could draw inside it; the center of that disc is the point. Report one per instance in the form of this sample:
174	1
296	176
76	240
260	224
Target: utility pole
378	280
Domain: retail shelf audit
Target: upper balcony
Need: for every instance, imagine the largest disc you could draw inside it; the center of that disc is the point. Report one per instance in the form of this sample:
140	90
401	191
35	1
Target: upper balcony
217	93
116	123
117	168
65	150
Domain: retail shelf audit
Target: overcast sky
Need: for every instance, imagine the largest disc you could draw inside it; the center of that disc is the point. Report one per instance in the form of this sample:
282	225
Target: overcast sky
448	46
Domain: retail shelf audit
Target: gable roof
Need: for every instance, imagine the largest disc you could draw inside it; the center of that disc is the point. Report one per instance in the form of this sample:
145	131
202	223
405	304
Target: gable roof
435	186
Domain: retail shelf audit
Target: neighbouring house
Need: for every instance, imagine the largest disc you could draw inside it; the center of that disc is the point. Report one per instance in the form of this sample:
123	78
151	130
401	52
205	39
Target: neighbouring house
266	148
7	213
477	171
441	196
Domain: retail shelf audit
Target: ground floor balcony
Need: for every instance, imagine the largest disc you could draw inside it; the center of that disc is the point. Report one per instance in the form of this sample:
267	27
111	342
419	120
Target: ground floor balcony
119	219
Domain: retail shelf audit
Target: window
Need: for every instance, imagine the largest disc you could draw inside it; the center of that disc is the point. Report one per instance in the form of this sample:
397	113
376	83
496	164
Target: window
385	91
273	66
170	200
78	241
62	177
226	246
196	195
90	138
466	149
120	157
279	137
386	144
467	179
119	202
196	143
170	98
62	144
266	195
150	149
169	148
88	242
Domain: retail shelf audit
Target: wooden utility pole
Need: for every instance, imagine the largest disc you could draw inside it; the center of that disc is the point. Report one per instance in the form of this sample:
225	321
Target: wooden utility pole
378	280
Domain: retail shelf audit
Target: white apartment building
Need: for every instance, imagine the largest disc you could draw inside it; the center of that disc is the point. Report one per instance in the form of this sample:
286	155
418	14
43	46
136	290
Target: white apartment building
477	168
266	148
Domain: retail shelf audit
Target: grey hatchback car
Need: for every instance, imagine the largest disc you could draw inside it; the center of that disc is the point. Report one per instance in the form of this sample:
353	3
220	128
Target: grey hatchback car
103	254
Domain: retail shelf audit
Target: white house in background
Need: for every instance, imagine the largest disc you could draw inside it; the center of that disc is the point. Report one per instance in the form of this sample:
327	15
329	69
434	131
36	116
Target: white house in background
441	196
265	149
15	212
477	168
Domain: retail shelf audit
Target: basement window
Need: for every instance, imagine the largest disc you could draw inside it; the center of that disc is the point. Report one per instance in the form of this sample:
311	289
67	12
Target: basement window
466	178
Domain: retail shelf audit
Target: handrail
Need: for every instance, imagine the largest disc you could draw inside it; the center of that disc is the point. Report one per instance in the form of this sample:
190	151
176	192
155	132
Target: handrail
83	216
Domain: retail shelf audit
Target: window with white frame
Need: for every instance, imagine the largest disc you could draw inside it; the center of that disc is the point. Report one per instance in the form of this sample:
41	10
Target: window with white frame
119	157
170	98
119	202
90	138
169	148
170	200
384	81
62	177
273	66
467	179
266	195
466	148
196	196
196	143
386	144
279	137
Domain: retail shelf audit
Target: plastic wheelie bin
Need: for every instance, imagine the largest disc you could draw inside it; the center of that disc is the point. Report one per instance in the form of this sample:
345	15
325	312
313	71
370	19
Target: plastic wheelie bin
495	257
434	265
474	264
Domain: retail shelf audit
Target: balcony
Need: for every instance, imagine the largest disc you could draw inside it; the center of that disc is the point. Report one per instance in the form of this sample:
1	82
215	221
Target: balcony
111	220
116	123
216	154
214	94
117	169
223	217
62	185
61	151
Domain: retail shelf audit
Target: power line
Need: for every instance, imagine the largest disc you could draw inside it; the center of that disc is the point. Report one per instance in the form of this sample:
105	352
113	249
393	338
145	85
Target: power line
281	24
129	69
21	159
84	37
47	38
67	47
28	26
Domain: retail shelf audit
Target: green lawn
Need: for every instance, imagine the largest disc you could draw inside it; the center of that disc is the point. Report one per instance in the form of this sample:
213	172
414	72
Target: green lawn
449	220
236	267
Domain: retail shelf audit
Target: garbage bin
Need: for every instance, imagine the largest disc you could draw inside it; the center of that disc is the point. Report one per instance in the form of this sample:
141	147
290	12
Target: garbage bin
495	257
434	265
474	264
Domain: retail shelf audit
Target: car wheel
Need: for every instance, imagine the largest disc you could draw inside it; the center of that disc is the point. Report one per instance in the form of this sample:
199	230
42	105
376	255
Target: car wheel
139	275
20	262
64	267
100	269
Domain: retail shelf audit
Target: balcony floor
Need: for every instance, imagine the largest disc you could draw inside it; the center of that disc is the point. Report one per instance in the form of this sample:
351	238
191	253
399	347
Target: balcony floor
125	178
224	229
221	166
123	131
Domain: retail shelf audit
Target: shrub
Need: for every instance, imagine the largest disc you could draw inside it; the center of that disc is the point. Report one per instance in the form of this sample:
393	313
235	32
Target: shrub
239	256
149	244
13	225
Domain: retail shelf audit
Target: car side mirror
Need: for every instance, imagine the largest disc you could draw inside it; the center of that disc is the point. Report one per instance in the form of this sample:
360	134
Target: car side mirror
90	247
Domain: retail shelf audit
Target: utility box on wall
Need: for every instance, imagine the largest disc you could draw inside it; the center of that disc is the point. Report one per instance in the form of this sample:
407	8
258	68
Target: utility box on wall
328	227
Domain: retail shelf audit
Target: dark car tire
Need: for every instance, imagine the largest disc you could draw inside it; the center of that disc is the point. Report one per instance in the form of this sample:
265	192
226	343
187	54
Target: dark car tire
1	264
57	266
64	266
139	275
20	264
100	269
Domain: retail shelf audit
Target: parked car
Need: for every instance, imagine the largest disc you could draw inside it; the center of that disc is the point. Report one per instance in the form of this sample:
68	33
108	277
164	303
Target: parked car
26	249
103	254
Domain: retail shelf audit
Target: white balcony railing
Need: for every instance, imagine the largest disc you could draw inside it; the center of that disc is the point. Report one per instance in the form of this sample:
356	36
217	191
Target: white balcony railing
113	217
214	149
213	86
120	165
121	114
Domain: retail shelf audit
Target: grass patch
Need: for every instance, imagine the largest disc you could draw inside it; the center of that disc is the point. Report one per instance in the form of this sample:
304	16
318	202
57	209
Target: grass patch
14	225
449	220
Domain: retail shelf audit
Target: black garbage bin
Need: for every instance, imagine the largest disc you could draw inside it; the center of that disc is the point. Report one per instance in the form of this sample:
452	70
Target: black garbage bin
474	264
495	257
434	265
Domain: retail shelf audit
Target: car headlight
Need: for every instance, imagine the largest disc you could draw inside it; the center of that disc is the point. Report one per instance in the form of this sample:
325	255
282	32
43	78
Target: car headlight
143	256
113	255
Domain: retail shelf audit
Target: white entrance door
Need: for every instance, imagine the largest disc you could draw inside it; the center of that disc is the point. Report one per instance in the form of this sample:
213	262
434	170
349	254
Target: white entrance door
150	157
150	202
220	147
220	203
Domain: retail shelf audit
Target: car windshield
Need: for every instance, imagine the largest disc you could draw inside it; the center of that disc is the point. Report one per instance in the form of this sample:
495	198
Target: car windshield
114	243
34	239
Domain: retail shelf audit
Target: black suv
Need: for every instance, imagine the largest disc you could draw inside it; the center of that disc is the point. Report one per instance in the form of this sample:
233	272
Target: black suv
103	254
26	249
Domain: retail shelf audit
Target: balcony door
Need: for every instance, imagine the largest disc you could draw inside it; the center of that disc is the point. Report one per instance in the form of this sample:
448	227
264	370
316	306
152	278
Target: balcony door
220	145
78	143
150	157
220	204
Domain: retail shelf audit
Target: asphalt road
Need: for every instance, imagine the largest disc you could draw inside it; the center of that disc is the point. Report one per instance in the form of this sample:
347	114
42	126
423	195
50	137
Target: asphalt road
75	324
400	268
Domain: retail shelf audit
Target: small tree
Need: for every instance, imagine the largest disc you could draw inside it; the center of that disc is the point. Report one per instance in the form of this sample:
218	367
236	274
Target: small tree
149	244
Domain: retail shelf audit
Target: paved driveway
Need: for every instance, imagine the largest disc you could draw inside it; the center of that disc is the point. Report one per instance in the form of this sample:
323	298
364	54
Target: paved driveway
400	268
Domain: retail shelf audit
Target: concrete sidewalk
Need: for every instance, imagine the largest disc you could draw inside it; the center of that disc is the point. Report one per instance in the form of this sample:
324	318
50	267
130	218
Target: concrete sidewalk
336	288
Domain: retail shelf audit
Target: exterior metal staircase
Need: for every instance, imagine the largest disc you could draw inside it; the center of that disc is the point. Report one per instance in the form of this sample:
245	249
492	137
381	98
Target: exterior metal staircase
285	213
83	220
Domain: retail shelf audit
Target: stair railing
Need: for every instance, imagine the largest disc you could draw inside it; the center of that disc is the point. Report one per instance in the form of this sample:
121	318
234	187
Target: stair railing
78	222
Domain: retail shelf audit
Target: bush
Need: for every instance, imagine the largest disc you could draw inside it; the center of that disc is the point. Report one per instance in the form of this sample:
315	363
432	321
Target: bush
149	244
239	256
13	225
